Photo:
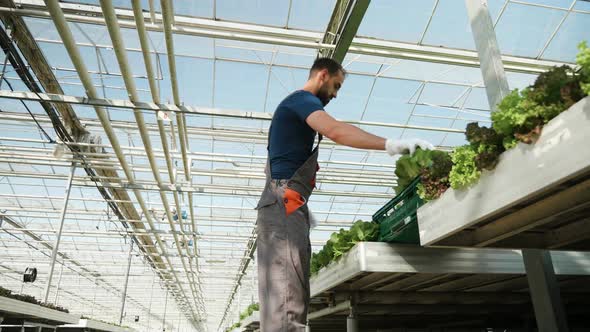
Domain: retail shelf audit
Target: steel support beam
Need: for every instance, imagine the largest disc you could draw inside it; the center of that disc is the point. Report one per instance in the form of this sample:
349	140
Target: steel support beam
344	23
43	72
488	51
280	36
544	290
340	307
121	55
63	29
61	226
61	271
126	104
216	189
35	58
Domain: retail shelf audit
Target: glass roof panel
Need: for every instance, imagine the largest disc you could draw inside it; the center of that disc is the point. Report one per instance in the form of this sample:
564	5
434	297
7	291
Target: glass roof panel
564	46
582	5
352	98
292	56
387	20
520	80
265	12
195	81
191	46
426	71
190	8
477	99
358	64
523	30
244	51
310	14
251	86
283	81
385	106
553	3
450	26
441	94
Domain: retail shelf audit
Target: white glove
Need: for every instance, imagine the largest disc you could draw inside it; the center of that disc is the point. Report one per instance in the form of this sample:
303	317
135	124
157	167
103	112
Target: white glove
402	146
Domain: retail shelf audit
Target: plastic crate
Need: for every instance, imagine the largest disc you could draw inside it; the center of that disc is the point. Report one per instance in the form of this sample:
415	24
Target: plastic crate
398	220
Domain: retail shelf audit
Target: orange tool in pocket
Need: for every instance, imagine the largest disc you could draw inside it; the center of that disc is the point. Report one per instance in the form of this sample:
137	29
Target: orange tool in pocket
292	200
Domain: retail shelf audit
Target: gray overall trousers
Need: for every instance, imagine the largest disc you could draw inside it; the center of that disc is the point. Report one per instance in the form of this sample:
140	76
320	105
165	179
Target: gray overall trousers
284	248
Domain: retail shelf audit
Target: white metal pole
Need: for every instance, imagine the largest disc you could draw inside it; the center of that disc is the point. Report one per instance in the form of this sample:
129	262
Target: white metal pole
150	306
165	307
94	298
69	42
61	271
58	238
351	321
124	295
488	50
544	290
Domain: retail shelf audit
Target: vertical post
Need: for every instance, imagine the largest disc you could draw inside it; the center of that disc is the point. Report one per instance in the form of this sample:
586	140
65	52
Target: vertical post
239	300
351	322
491	65
544	290
61	226
165	307
61	271
94	297
124	295
150	305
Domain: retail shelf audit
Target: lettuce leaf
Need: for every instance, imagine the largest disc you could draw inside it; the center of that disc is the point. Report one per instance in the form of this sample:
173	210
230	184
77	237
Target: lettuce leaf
341	242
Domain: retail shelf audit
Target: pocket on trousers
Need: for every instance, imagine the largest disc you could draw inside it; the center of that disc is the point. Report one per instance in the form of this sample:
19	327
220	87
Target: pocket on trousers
265	201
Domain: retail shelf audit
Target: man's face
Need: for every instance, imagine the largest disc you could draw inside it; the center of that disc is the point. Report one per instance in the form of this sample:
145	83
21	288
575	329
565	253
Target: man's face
331	85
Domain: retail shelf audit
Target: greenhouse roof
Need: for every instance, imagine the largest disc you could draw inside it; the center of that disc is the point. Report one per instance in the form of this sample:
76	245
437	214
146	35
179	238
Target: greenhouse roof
217	70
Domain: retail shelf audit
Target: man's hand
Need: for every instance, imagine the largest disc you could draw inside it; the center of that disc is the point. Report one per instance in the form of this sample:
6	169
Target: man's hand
403	146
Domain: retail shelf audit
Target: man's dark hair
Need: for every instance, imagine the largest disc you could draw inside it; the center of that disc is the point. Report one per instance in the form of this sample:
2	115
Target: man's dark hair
331	65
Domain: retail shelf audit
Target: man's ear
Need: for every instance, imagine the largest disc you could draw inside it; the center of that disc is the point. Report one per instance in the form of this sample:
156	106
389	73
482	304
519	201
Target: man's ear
324	75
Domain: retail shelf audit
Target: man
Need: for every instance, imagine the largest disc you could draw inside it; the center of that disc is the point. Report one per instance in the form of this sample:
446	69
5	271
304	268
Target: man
284	249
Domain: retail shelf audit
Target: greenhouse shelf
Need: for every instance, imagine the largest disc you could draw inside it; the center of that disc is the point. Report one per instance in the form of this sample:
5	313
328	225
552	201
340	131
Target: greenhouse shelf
19	310
538	196
251	323
404	284
92	325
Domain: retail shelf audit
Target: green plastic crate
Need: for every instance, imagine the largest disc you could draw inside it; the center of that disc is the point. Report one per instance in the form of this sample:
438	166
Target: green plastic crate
398	219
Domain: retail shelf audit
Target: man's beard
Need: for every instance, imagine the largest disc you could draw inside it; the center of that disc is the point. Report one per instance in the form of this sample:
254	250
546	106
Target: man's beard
324	96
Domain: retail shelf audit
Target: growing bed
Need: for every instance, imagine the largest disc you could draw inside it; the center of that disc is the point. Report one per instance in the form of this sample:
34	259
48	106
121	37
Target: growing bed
538	196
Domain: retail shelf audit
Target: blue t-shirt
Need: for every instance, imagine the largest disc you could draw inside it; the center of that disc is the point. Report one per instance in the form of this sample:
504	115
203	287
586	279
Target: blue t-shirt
290	137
